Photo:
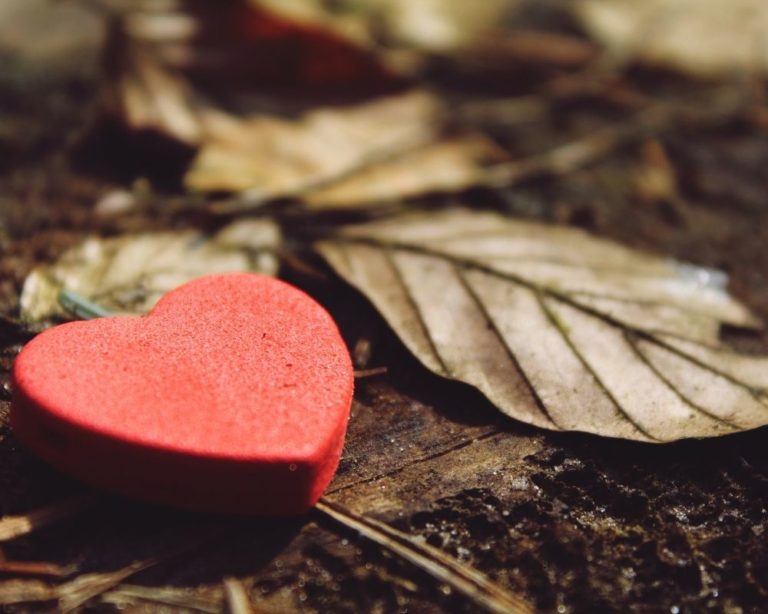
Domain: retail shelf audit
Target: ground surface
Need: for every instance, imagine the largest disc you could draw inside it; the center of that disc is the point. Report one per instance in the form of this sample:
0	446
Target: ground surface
572	523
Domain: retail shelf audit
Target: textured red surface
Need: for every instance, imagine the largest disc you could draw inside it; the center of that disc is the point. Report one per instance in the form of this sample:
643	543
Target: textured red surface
233	394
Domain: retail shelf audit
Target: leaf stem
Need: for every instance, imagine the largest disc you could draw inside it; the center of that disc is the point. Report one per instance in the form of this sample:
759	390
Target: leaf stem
81	307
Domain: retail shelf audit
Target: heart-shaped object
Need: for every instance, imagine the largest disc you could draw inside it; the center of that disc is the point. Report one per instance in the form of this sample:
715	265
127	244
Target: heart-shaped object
232	394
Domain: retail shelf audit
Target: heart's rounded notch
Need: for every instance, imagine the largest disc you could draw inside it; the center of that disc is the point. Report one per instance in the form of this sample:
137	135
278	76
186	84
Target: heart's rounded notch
231	395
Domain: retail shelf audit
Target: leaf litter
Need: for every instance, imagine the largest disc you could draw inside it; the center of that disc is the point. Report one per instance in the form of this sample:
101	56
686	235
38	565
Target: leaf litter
557	328
466	580
258	142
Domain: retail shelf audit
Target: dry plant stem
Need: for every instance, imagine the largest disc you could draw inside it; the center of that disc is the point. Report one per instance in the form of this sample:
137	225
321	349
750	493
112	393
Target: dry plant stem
559	161
33	568
462	578
26	591
71	595
365	373
75	593
82	589
130	595
12	527
80	307
236	597
571	156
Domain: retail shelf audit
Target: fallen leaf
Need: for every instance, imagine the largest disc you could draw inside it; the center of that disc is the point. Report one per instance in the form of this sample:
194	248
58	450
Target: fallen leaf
706	38
268	136
557	328
268	157
128	274
141	92
167	66
49	33
445	166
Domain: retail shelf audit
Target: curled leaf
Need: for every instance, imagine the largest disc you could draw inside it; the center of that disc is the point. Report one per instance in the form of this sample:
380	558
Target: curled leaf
129	274
557	328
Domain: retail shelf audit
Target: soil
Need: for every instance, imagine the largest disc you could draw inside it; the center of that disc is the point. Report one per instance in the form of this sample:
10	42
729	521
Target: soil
571	522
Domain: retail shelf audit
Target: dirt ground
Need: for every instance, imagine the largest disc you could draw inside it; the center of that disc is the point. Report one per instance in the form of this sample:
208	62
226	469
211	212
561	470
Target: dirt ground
572	523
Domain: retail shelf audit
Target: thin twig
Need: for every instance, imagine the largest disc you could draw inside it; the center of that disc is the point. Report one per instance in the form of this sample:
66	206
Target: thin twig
26	591
75	593
34	568
82	589
364	373
12	527
236	597
580	152
130	595
462	578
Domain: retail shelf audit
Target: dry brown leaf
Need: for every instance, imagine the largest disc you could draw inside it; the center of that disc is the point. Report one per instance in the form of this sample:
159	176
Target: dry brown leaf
558	328
702	37
129	274
49	32
445	166
176	68
261	132
268	157
428	25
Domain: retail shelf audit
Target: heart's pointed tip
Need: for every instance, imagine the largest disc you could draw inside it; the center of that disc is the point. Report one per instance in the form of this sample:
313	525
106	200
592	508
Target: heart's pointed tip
232	395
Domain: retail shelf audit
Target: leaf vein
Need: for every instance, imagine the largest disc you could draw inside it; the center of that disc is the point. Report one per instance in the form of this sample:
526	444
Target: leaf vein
417	312
621	412
632	342
538	401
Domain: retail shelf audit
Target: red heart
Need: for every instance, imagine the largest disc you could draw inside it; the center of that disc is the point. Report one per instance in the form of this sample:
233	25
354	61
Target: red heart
233	394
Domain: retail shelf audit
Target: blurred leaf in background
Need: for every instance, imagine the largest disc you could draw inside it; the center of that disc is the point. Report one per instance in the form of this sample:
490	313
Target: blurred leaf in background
277	99
705	38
